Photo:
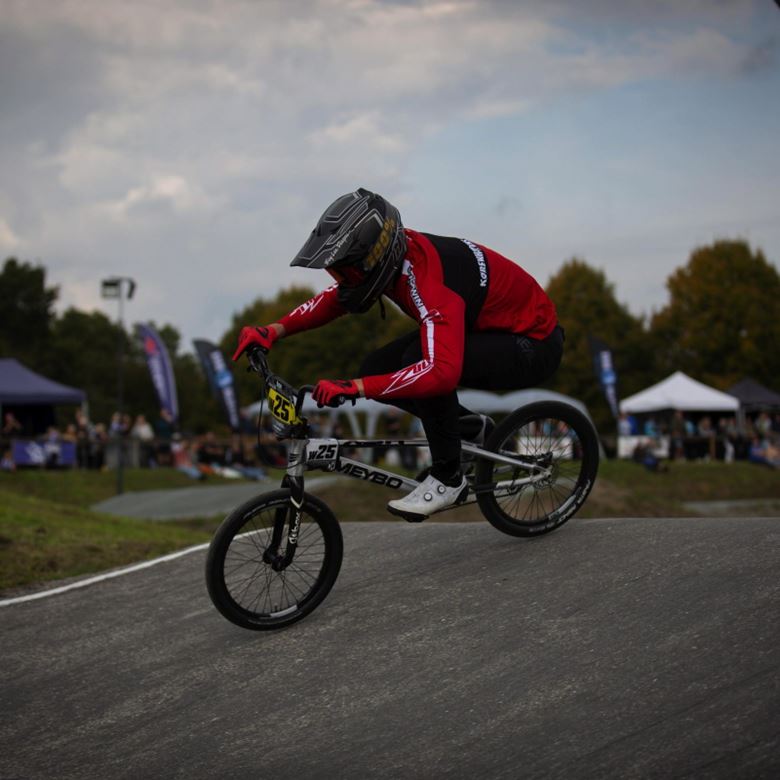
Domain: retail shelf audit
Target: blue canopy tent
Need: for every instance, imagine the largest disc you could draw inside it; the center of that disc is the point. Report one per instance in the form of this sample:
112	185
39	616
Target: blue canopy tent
32	397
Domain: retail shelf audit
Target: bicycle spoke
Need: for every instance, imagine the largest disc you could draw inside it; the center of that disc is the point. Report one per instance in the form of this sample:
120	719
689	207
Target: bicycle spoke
550	444
254	584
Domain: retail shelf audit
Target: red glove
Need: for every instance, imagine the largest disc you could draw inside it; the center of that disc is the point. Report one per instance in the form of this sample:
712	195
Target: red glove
252	336
334	392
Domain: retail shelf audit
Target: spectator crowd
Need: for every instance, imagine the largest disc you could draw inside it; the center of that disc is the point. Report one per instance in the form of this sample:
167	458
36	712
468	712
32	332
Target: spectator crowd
704	437
87	445
141	443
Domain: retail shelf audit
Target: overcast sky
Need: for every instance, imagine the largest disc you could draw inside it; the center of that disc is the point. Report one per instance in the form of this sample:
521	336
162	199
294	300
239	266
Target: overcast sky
192	145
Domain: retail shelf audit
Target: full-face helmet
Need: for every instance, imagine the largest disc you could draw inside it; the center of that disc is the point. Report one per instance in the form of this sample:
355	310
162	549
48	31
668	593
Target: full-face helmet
360	241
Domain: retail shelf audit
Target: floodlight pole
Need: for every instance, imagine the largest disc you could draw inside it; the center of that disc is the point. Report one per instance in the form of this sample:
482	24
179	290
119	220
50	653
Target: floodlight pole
116	287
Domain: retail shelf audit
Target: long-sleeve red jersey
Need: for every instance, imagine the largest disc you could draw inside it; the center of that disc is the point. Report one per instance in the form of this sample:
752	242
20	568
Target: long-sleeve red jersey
450	286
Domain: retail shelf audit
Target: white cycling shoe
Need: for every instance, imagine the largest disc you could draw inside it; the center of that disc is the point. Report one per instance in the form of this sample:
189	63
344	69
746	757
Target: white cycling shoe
428	497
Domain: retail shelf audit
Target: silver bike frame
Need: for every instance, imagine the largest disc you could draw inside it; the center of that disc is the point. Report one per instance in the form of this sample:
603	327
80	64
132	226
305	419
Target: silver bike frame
325	455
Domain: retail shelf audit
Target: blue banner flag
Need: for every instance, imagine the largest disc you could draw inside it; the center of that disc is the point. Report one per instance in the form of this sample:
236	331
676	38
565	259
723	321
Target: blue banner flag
160	368
605	371
220	379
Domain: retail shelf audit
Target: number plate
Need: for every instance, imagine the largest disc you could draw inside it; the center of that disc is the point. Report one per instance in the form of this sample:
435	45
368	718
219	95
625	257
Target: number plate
282	408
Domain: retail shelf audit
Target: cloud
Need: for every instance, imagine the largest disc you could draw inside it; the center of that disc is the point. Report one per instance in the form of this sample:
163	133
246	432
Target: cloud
8	238
163	193
148	138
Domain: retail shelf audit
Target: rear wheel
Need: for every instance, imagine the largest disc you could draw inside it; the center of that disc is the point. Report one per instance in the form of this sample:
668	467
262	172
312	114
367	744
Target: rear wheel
562	443
242	580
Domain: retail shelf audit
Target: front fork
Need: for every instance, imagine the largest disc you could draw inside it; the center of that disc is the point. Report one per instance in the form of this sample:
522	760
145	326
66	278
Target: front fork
293	480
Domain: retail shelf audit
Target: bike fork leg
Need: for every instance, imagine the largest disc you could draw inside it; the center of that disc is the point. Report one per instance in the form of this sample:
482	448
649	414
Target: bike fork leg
296	505
293	511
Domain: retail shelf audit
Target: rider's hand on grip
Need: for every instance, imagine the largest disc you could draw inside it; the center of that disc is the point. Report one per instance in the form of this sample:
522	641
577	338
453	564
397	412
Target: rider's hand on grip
334	392
252	336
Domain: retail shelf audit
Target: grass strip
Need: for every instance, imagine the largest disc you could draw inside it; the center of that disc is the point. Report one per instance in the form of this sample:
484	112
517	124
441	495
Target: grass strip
48	532
41	540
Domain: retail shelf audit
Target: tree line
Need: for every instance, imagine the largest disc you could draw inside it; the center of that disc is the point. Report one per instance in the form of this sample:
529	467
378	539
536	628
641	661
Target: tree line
721	323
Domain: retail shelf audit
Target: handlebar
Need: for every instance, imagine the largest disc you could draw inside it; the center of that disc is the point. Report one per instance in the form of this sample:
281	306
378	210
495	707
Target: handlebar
258	361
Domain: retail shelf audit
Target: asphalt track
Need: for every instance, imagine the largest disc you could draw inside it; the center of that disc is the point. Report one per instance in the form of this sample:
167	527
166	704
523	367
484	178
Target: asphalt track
610	648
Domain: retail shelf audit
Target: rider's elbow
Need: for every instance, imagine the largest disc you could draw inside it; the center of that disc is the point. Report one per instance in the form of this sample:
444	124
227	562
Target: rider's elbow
446	379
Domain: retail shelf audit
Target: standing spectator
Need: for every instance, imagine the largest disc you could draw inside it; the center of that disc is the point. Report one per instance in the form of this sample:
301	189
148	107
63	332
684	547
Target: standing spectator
678	436
763	425
651	428
164	429
117	431
84	433
52	448
706	430
727	435
11	426
143	432
116	427
97	446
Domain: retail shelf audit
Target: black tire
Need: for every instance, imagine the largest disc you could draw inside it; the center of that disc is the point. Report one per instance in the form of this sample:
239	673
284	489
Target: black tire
246	589
550	433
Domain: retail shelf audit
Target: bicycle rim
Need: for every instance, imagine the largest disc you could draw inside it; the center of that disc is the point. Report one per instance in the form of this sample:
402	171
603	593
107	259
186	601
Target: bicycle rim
562	447
244	585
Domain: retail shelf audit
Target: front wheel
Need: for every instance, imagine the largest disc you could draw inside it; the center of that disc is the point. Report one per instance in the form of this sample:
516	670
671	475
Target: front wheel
243	573
561	447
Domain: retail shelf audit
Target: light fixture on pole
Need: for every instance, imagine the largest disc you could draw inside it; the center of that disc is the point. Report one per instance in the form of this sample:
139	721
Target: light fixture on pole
119	288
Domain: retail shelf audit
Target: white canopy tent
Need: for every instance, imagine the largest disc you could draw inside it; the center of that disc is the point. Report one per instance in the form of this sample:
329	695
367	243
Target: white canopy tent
476	400
679	392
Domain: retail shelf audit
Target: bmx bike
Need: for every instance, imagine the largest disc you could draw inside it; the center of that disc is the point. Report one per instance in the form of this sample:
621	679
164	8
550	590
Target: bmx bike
275	558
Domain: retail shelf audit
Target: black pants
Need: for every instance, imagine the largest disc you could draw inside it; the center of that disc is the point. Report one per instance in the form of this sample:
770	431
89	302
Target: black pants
491	361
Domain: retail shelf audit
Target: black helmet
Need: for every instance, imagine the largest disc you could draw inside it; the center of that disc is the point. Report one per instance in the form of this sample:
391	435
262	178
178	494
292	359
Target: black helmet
362	233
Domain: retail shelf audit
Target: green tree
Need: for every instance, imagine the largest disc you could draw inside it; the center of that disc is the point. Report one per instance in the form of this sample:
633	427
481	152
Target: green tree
722	322
27	307
82	353
587	307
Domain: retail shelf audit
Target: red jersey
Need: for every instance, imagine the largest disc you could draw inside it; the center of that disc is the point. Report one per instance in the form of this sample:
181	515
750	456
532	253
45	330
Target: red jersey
450	286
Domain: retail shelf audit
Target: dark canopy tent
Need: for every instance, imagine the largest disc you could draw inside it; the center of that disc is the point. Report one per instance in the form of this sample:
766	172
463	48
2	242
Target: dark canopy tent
32	397
754	397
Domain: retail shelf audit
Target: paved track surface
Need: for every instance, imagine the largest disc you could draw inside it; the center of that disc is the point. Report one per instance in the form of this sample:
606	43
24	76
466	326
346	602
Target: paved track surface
200	501
611	648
